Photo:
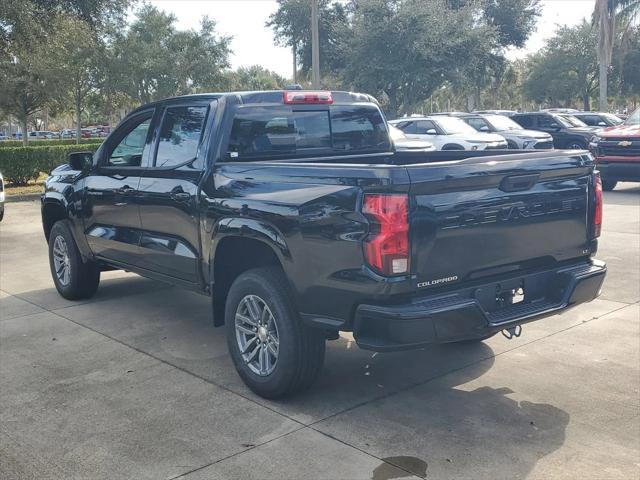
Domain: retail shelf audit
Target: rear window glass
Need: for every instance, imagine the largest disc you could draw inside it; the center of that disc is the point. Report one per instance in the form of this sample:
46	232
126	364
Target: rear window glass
272	132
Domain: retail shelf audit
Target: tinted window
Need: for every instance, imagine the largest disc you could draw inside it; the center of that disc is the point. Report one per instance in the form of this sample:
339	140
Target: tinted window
408	127
358	128
278	131
524	120
422	126
478	123
180	135
591	120
129	150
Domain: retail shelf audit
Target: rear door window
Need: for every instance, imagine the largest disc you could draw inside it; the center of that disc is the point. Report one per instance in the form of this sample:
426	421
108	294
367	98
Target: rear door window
407	127
525	121
278	131
478	124
180	135
423	126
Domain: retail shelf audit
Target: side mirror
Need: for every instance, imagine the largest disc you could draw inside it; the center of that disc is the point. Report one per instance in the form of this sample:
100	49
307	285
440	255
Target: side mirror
431	131
80	161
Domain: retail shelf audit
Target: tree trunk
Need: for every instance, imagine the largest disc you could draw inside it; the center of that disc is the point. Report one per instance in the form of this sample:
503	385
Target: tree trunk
585	102
295	62
603	87
24	121
78	124
471	102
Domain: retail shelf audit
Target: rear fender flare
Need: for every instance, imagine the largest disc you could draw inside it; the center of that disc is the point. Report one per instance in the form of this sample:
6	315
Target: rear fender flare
254	229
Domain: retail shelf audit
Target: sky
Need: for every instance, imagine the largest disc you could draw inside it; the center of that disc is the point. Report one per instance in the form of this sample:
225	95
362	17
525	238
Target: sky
253	43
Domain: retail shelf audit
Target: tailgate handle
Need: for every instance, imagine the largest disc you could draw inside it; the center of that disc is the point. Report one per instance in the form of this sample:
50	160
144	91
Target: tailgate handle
519	183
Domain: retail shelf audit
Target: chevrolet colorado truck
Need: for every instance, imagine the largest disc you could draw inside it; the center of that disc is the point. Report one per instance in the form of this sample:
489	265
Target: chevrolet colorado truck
295	214
617	152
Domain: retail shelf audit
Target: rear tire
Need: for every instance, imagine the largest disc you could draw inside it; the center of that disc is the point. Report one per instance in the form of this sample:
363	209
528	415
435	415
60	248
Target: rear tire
260	317
608	185
73	278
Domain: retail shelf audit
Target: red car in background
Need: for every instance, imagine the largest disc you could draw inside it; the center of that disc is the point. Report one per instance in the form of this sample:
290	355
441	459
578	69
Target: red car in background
617	152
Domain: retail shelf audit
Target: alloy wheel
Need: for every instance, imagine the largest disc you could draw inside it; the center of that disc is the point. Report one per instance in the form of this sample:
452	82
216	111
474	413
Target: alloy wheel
61	260
257	335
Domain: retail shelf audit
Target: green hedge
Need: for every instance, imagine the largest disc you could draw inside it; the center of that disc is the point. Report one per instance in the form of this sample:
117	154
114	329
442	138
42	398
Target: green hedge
18	165
46	143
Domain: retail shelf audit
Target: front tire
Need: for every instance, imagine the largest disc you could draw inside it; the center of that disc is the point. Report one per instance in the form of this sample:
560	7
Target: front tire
608	185
274	353
73	278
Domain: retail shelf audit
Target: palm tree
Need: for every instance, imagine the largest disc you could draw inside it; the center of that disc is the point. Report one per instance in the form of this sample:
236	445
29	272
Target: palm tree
606	14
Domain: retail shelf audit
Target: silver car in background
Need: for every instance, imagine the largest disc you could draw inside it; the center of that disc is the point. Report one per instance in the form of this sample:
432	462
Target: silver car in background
516	136
406	144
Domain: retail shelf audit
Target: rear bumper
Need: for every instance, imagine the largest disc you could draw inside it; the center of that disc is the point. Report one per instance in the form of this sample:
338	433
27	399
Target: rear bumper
465	315
611	168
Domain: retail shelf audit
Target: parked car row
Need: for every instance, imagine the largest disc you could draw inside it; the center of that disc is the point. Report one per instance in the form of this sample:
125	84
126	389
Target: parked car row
490	129
100	131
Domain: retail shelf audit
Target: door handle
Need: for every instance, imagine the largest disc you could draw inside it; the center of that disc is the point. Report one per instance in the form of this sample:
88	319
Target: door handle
181	196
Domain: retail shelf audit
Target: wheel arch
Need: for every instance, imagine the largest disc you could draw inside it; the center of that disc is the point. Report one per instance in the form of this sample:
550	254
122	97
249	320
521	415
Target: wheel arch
52	211
238	246
452	146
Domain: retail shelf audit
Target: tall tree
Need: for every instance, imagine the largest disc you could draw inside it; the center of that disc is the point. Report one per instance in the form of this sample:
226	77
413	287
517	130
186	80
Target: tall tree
77	58
566	68
402	51
606	16
292	27
253	78
153	60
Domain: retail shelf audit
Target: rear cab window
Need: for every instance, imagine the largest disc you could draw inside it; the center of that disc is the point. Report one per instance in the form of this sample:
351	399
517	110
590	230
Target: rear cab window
281	131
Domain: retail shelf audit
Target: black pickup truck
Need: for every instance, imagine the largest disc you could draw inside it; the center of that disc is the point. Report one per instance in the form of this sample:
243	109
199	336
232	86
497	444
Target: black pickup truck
293	212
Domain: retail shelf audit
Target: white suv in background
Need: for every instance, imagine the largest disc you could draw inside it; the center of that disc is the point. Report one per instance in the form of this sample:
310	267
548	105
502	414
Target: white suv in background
448	133
516	136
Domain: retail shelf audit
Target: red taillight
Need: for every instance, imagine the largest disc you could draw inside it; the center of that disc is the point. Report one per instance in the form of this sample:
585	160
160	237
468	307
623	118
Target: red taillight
297	97
387	246
597	211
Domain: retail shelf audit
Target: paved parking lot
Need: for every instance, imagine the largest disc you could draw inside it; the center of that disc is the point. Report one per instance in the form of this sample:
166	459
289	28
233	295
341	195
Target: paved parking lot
136	383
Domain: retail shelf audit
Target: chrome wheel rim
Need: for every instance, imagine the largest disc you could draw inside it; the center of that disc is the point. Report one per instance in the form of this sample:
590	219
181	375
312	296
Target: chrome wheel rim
61	261
257	335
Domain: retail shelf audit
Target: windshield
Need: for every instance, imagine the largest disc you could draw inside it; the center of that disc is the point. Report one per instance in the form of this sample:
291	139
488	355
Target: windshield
451	125
574	121
501	123
634	118
612	118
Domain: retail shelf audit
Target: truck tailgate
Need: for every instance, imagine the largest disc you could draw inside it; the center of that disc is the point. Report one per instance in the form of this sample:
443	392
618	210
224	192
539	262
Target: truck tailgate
480	217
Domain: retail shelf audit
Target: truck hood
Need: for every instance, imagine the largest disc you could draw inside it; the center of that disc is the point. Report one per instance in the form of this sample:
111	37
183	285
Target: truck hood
620	131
